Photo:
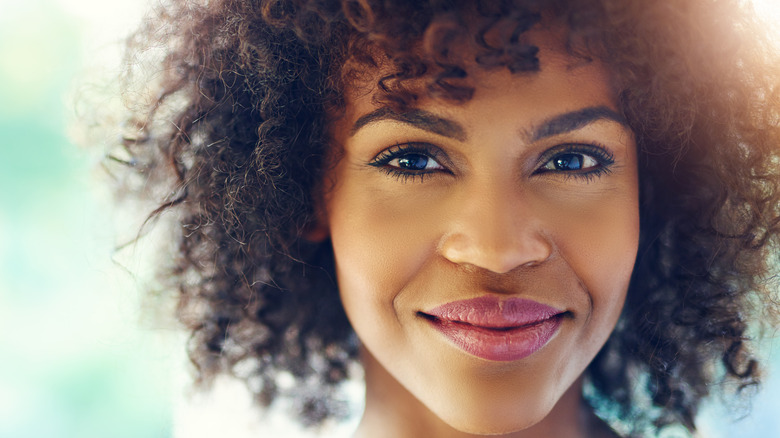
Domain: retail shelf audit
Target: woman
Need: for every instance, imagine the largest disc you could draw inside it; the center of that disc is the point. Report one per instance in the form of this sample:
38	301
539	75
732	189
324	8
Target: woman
504	200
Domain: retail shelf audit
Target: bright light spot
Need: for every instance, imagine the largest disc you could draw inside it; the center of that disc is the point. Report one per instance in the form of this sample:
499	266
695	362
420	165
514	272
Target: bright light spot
106	20
769	12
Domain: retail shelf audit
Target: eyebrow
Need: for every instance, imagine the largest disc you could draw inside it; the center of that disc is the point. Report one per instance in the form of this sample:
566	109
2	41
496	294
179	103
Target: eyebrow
427	121
415	117
574	120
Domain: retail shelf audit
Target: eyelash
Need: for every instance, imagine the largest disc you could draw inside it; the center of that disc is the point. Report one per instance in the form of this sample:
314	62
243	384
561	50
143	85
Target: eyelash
400	150
600	154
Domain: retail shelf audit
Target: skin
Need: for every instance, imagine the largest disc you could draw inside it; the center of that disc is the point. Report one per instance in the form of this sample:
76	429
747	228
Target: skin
490	215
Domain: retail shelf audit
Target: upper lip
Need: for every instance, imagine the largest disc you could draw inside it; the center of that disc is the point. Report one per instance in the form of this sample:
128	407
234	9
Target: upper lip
490	311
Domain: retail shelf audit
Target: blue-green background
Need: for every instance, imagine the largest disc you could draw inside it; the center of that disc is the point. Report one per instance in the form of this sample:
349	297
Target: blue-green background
77	357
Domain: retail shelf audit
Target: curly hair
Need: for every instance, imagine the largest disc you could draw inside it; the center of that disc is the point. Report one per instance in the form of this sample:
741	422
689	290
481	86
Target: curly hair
237	136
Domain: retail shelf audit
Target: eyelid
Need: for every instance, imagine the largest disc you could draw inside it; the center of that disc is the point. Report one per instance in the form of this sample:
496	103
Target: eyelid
600	153
400	149
384	157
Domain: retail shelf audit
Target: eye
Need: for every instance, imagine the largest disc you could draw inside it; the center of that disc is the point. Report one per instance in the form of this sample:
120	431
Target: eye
410	160
415	161
571	161
576	160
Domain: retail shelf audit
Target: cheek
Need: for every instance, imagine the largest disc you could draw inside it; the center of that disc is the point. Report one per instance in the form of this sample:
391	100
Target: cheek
600	245
380	245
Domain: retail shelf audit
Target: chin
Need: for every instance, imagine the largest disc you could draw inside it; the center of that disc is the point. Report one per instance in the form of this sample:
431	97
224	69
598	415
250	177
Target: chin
496	417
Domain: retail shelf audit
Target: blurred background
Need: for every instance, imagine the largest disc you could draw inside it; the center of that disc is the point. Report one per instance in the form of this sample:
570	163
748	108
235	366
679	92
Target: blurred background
81	354
76	358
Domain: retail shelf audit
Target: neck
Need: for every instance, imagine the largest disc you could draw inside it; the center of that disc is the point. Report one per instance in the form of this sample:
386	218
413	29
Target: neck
392	411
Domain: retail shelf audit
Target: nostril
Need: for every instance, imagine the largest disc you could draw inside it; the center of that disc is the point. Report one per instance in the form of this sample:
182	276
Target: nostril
495	234
499	255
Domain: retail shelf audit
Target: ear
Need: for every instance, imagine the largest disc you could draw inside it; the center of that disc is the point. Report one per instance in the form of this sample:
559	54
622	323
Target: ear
317	230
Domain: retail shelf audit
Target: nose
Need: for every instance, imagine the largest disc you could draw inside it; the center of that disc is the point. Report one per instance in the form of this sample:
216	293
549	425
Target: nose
496	230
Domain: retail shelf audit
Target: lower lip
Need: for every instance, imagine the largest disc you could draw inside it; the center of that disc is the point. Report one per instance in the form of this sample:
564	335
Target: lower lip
504	345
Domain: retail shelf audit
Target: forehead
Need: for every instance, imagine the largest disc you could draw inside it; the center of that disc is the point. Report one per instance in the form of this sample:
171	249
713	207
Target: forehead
563	82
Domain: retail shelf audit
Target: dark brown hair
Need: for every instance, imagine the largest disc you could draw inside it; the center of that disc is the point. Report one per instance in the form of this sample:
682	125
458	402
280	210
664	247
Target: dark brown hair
237	134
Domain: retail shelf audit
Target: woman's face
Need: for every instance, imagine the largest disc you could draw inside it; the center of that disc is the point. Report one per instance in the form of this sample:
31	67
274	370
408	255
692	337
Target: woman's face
483	250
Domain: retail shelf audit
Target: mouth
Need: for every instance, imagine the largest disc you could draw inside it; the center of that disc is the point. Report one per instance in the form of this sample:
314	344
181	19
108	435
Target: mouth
496	330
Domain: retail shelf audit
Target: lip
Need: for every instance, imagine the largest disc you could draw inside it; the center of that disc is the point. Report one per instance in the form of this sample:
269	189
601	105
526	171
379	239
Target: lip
495	329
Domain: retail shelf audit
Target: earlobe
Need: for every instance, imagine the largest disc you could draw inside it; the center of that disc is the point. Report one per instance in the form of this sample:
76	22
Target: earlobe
317	230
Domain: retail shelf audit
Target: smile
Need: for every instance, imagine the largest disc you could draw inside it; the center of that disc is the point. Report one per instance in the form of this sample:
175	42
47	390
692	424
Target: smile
497	330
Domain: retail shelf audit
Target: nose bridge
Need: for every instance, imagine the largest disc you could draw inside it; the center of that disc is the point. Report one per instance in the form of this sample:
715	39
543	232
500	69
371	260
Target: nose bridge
494	226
